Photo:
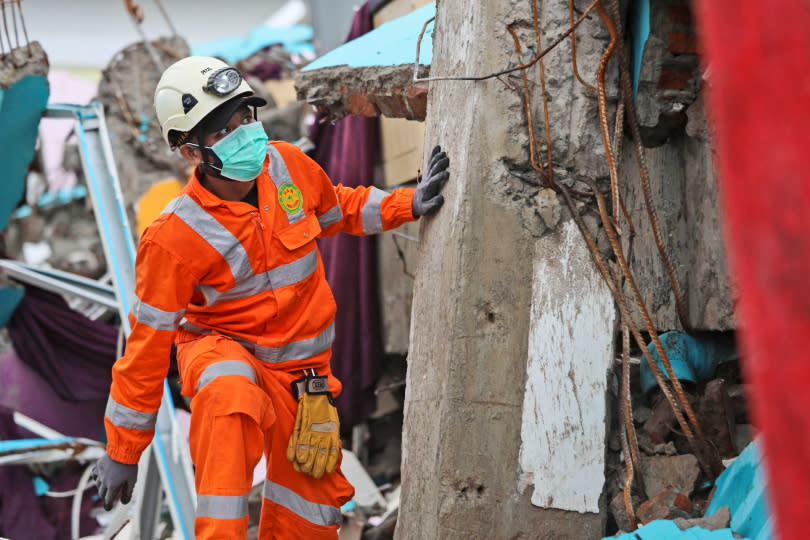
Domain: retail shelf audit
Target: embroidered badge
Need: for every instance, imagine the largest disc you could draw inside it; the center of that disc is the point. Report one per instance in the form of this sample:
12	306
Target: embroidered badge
290	198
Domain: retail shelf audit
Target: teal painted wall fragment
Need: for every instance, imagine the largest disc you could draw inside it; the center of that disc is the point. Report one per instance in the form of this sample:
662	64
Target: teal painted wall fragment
639	32
21	107
390	44
10	298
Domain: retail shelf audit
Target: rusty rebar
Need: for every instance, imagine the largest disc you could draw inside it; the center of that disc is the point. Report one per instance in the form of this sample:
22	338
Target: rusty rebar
574	47
25	30
499	73
709	462
5	26
631	464
632	118
536	19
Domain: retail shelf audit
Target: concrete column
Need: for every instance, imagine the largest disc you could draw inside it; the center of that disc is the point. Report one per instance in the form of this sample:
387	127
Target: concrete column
511	329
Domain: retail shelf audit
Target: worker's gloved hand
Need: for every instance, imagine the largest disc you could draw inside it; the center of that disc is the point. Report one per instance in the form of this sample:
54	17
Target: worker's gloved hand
314	446
427	199
111	477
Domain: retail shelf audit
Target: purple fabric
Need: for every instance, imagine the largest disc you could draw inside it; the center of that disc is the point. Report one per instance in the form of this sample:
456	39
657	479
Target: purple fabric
23	389
21	516
25	516
73	353
347	151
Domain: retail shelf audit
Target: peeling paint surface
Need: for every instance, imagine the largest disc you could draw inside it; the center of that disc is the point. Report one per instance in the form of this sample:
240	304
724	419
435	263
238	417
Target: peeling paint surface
563	429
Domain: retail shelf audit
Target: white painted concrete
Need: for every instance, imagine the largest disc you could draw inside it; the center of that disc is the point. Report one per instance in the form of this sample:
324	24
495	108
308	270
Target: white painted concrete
570	350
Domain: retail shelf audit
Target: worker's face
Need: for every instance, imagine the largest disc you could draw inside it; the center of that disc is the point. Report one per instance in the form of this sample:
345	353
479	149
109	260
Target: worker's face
241	117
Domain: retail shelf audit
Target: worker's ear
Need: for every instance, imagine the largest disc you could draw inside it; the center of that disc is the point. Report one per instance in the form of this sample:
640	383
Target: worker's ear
191	154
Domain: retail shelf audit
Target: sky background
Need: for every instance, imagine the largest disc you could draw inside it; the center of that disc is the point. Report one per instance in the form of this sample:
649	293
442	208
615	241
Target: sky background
87	33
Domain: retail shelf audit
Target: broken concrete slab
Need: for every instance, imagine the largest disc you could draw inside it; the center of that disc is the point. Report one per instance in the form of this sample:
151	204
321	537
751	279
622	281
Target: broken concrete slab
663	472
619	511
716	414
127	90
369	91
22	62
721	519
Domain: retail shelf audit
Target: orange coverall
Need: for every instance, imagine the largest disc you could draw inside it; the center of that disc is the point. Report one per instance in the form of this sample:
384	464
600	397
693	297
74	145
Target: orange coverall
242	291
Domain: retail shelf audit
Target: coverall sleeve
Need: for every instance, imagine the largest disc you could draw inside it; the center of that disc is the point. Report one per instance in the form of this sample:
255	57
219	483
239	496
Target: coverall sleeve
362	210
163	289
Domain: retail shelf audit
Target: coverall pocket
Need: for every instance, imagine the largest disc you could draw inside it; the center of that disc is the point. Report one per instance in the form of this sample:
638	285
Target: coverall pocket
299	233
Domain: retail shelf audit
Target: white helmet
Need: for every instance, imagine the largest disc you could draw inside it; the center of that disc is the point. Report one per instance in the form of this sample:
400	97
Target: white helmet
191	89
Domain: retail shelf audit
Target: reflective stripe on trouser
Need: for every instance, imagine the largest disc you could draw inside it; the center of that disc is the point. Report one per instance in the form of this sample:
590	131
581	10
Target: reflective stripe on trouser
240	407
295	504
229	415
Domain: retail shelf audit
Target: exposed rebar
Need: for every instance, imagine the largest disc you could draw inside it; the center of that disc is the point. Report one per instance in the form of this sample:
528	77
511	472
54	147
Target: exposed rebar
499	73
574	48
680	303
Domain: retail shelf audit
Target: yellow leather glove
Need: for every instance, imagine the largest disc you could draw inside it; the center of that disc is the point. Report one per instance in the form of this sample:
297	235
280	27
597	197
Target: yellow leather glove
314	446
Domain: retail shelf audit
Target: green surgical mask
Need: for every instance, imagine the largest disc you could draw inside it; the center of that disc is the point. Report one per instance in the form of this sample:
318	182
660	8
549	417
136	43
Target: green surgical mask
242	152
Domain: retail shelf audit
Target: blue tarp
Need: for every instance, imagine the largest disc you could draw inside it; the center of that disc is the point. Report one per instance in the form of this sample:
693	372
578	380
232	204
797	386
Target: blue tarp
390	44
667	530
295	39
741	488
21	107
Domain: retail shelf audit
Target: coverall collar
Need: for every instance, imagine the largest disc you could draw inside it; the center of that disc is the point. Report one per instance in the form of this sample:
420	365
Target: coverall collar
209	200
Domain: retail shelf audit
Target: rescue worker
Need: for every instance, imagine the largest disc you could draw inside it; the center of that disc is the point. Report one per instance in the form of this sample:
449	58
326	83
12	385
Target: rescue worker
231	273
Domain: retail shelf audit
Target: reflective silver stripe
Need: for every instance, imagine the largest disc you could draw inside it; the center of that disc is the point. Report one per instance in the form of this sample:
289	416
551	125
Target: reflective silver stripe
213	232
222	506
156	317
332	216
280	175
296	350
225	367
123	416
188	326
293	272
315	513
278	277
371	214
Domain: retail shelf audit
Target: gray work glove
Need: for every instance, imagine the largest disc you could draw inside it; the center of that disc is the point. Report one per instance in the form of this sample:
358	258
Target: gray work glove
427	199
111	477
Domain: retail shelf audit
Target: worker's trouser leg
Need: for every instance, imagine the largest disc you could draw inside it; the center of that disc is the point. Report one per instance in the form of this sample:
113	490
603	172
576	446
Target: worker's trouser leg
229	414
296	505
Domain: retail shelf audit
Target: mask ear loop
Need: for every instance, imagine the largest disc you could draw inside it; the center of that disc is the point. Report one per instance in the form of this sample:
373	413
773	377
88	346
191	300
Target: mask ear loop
206	165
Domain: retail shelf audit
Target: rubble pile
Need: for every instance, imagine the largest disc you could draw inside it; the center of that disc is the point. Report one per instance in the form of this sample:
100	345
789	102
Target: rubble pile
671	484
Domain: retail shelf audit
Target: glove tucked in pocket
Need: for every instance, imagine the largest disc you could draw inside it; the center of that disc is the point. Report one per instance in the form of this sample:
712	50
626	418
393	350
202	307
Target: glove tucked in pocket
314	446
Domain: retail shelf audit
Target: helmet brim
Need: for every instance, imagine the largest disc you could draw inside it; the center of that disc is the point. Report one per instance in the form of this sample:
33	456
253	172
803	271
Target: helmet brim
219	117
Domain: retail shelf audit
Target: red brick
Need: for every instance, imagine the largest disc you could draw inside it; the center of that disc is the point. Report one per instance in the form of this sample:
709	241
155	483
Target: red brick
682	501
682	43
390	102
360	105
674	79
416	94
679	15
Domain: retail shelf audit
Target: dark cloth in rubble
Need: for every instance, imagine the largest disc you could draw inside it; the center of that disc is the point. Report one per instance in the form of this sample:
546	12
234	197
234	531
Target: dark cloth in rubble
73	353
347	151
21	516
24	515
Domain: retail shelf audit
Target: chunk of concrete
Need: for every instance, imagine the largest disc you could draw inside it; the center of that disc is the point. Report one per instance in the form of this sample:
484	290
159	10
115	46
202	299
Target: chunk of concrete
663	472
